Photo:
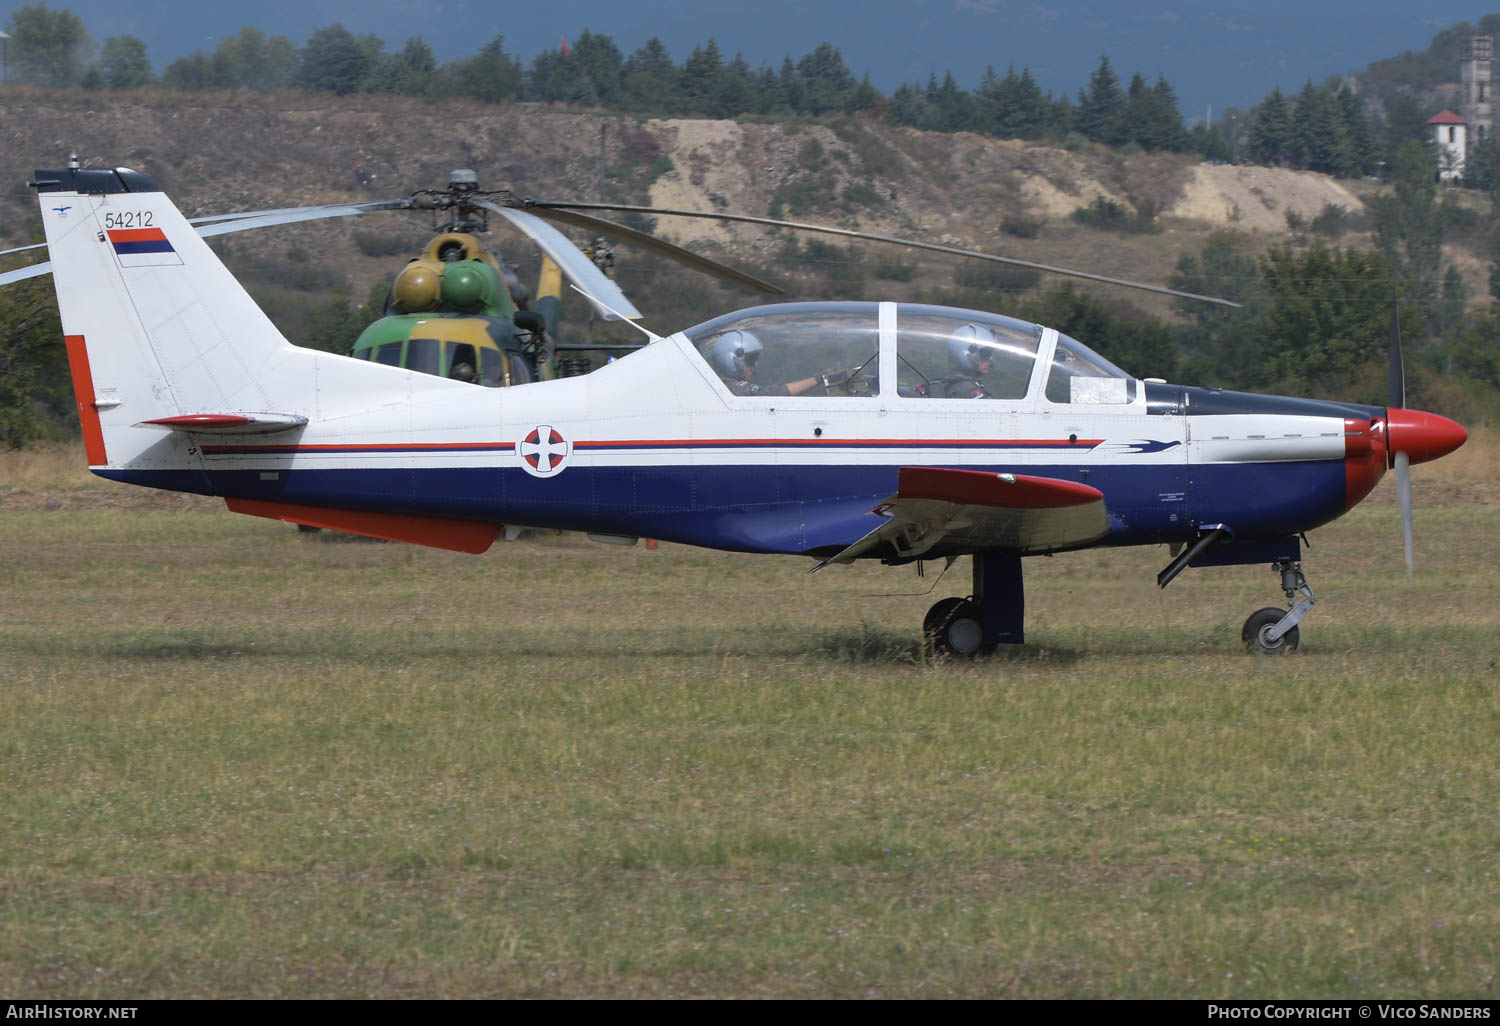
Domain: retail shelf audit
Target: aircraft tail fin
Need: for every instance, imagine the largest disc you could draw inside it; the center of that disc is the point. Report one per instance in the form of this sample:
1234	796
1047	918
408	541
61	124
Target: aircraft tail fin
157	328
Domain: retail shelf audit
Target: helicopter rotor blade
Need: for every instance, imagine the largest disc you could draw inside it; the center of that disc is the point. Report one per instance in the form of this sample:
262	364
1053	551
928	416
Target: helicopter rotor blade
553	212
266	218
238	222
567	256
22	273
872	237
23	249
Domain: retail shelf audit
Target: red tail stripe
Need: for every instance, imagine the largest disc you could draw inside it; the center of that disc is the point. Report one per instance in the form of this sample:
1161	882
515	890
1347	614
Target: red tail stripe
83	392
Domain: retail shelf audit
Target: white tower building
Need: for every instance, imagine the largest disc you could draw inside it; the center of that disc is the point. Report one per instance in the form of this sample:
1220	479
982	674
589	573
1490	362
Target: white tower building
1451	133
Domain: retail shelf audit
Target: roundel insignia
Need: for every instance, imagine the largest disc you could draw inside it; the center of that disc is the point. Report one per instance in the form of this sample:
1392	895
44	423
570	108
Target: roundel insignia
543	451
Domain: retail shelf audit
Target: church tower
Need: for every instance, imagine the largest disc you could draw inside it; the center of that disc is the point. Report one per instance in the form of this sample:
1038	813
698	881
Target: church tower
1476	67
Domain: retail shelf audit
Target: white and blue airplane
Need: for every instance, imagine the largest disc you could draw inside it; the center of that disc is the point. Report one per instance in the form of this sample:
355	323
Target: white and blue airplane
834	430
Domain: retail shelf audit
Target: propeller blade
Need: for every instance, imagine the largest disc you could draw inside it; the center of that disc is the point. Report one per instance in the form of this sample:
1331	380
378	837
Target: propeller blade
1398	369
567	256
871	237
1403	492
676	253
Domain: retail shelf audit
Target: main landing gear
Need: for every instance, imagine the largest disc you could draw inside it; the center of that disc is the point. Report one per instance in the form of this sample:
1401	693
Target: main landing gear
993	615
1273	631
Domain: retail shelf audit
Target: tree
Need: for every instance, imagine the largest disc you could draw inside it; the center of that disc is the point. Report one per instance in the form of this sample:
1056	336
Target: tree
829	83
410	72
1012	107
332	61
33	366
649	78
335	327
1152	118
191	74
123	63
700	79
1450	311
1405	123
489	75
953	106
1219	345
1271	140
48	48
555	76
909	106
1409	227
253	60
1101	107
1362	152
599	59
1328	325
1141	345
1475	353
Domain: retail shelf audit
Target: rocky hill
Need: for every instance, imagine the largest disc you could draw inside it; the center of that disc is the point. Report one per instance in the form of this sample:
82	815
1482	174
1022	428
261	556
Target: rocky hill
224	152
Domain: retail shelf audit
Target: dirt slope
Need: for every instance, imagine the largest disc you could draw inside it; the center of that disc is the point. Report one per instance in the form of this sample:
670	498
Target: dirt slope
240	151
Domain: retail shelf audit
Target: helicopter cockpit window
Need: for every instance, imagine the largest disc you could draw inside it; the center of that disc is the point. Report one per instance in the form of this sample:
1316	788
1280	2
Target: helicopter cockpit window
422	355
492	364
795	349
945	353
389	353
462	365
1080	375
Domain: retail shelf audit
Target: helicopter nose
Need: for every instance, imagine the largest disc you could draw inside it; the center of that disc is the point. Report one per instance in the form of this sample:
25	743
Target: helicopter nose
1422	436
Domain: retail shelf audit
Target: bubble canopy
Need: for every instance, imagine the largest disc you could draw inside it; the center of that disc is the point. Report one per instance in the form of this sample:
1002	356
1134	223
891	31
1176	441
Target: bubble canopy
940	353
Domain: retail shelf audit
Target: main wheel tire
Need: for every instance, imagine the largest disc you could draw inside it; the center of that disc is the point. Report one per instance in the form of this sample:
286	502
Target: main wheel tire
1260	622
955	627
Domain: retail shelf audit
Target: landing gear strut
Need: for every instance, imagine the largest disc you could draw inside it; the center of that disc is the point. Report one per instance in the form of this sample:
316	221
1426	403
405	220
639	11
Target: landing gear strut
1273	631
993	615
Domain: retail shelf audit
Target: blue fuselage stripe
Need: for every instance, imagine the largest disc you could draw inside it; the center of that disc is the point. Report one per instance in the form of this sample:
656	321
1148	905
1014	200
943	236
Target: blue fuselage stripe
778	508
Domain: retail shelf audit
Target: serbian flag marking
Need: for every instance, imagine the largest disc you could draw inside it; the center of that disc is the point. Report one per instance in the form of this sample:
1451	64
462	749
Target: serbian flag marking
142	247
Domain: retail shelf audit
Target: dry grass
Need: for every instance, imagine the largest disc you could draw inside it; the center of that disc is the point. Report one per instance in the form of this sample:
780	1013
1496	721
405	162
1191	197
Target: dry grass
241	762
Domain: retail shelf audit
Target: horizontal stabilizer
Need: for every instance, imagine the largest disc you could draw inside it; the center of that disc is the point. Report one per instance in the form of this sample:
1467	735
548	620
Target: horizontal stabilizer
230	423
436	532
942	511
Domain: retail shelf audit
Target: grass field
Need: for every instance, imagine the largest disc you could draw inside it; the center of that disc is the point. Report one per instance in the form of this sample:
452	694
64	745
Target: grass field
241	762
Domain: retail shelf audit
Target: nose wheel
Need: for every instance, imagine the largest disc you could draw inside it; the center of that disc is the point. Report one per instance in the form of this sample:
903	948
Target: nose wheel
1273	631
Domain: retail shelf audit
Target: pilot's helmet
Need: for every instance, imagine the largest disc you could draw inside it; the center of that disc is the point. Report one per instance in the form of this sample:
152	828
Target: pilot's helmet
734	353
969	345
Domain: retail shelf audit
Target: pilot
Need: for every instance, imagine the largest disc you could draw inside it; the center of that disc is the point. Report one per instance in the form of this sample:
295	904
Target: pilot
971	351
734	355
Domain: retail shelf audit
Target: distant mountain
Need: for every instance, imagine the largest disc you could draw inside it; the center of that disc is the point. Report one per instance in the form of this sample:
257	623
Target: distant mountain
1212	51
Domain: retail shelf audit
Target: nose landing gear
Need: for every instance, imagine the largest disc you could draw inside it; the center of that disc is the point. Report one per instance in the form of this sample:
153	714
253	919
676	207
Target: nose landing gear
1273	631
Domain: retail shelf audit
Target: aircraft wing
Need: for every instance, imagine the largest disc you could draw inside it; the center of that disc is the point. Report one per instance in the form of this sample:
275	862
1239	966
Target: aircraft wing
969	510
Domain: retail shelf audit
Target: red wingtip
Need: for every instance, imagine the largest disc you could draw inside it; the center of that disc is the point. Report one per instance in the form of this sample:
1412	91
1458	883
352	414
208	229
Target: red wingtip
1422	436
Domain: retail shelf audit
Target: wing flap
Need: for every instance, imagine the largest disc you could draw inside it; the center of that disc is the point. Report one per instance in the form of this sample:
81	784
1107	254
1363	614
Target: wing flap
435	532
947	510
